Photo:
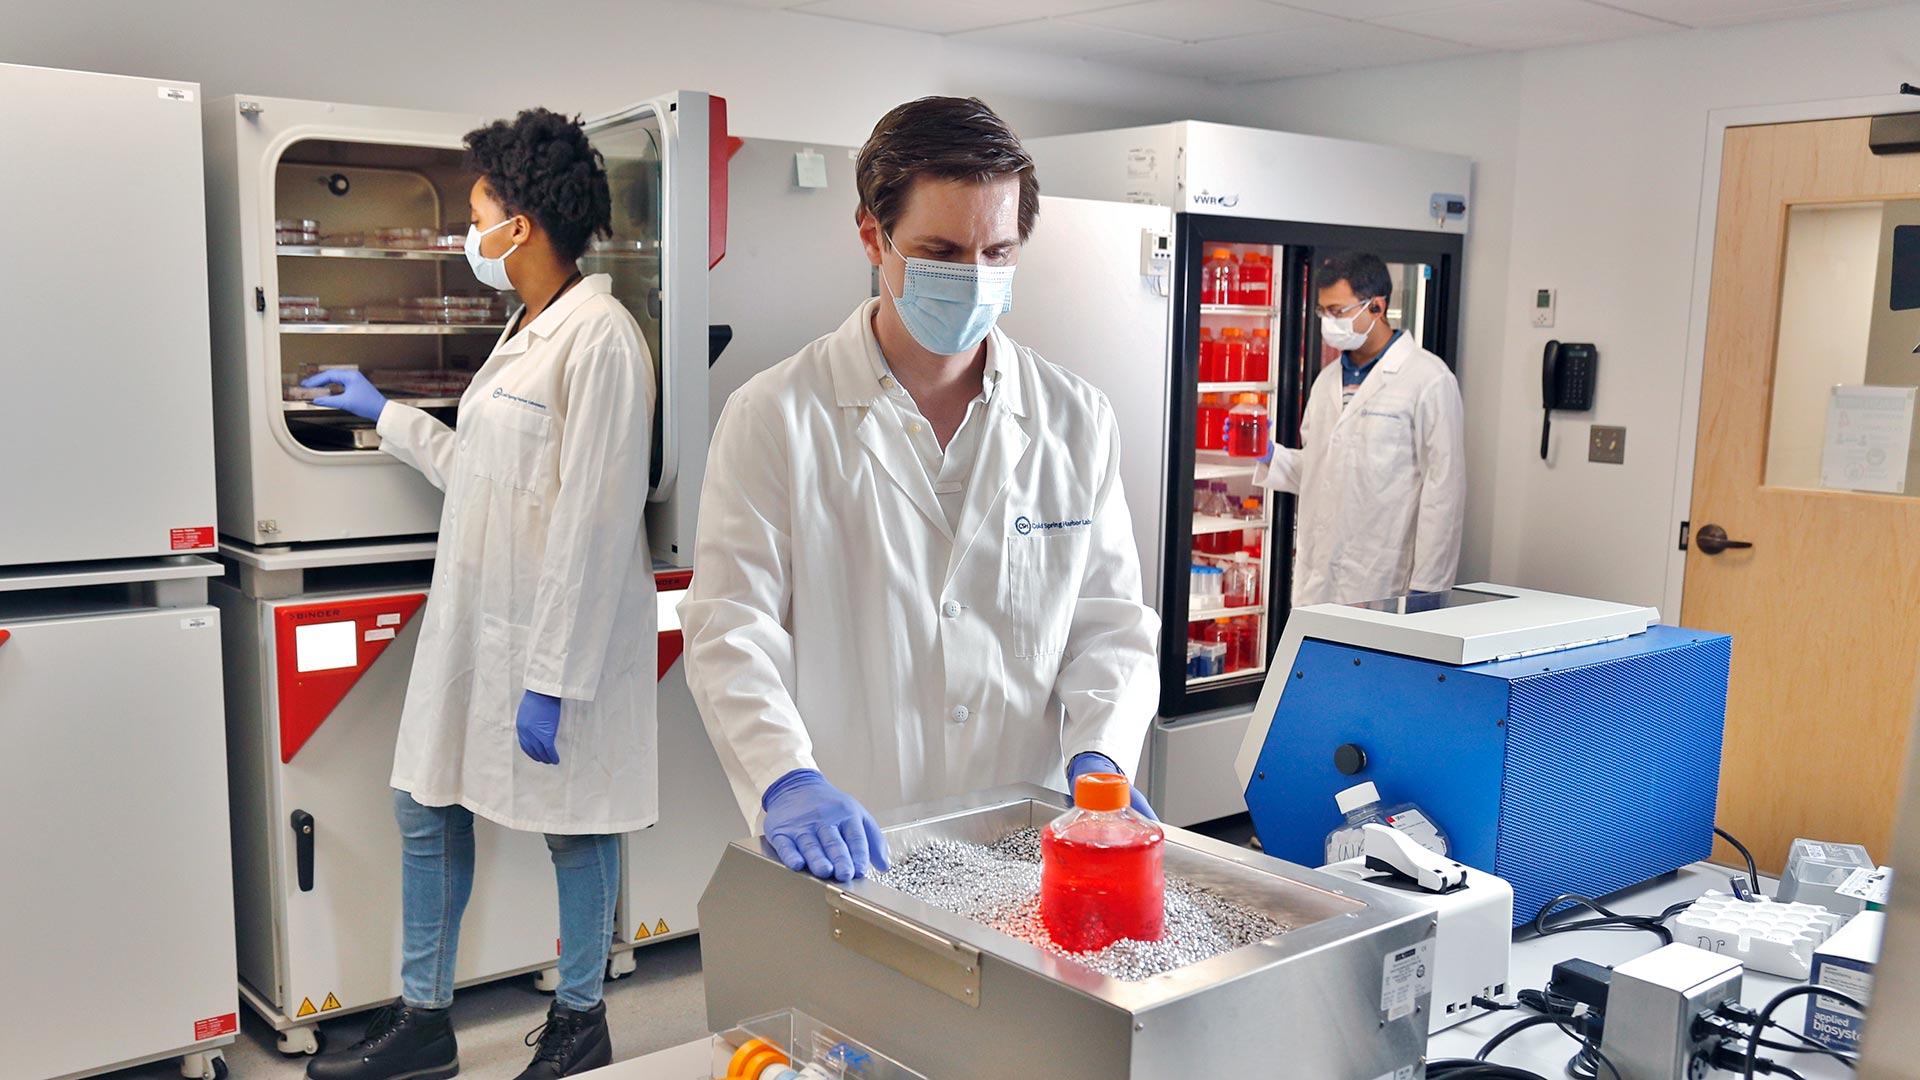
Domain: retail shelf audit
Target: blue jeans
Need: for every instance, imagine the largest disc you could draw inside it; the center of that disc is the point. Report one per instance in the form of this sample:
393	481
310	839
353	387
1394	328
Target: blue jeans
436	878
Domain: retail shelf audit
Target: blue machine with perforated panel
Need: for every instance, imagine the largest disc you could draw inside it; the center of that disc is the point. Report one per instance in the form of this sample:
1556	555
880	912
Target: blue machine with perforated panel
1585	766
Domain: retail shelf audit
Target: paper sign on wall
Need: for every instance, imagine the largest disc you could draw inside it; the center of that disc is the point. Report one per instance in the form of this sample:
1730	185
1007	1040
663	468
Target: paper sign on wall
1869	431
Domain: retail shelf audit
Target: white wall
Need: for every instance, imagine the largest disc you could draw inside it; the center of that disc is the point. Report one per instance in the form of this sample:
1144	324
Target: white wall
1589	164
785	76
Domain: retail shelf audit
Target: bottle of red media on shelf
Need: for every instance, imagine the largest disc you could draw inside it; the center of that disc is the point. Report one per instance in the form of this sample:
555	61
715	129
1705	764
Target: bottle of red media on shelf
1256	281
1233	345
1259	357
1219	277
1247	427
1212	361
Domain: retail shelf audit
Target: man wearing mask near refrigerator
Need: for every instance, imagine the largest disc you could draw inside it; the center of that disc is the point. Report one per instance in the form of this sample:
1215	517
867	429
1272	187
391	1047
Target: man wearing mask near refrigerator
1380	474
915	575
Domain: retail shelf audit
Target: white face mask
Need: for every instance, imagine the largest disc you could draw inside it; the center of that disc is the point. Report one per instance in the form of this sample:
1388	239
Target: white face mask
1340	333
490	271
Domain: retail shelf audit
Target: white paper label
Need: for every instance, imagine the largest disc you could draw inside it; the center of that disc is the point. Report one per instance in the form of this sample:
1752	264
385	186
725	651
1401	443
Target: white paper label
175	93
1852	982
1422	831
382	634
1869	429
1872	886
1404	976
1143	164
391	618
1815	851
195	622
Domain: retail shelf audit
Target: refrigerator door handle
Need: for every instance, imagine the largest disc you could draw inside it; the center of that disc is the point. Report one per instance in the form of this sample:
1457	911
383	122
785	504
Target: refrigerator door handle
303	848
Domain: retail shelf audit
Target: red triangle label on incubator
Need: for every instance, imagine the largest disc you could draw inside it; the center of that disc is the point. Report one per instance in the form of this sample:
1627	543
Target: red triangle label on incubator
320	652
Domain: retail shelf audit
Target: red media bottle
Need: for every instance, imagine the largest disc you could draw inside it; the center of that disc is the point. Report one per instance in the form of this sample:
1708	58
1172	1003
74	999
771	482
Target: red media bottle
1100	870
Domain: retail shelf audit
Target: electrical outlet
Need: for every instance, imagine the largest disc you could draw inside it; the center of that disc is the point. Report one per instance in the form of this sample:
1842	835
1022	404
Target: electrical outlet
1607	445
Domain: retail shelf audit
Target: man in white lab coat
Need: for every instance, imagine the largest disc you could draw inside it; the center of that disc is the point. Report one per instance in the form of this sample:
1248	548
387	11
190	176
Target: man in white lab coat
1381	475
915	575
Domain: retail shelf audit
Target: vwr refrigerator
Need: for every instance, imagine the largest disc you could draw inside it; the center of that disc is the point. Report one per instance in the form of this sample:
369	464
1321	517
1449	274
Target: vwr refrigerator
1177	277
116	912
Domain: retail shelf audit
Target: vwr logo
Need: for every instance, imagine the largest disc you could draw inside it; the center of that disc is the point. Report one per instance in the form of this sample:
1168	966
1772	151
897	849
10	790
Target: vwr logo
1224	201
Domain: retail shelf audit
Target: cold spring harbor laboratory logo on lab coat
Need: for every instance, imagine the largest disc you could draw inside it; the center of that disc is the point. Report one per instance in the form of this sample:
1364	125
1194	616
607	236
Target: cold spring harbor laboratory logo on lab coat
501	392
1025	525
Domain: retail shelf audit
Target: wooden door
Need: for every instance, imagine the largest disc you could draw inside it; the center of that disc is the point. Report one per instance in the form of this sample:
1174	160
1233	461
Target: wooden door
1824	608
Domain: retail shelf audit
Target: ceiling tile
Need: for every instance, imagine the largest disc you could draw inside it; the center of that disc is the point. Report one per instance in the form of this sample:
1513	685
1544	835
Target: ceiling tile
1367	10
931	16
1202	20
1057	37
1312	50
1728	12
1516	24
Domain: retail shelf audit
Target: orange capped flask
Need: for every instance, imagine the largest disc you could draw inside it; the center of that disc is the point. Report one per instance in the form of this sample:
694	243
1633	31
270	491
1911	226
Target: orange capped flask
1100	873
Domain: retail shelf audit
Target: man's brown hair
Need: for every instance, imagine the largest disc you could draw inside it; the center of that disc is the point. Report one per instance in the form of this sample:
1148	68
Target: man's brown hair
947	138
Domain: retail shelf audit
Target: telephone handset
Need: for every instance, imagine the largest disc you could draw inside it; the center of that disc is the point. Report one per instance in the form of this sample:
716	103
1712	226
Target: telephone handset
1566	382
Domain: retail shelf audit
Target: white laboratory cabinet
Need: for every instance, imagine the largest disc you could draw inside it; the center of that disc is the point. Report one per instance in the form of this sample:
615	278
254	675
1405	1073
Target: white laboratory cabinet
117	893
106	425
335	238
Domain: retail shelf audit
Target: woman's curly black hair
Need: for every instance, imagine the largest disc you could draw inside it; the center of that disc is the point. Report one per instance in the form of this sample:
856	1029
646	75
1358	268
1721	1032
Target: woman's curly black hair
542	165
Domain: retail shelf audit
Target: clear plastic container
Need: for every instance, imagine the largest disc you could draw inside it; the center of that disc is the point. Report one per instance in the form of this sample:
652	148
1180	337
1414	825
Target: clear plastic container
1247	427
1256	281
1260	356
303	313
1815	869
1250	508
296	231
403	237
1219	277
1206	658
299	301
1244	645
1241	580
1101	878
1233	346
1206	587
1212	363
790	1045
347	240
1210	425
1361	806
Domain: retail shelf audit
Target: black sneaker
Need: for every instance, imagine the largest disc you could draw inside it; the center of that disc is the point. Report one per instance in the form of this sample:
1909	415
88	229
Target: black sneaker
402	1043
570	1043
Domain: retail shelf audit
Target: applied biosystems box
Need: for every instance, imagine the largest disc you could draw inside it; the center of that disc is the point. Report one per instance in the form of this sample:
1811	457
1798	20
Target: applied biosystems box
1845	963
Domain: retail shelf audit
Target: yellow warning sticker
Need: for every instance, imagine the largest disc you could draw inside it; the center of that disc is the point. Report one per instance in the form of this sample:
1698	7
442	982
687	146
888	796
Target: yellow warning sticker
330	1004
661	927
306	1008
641	934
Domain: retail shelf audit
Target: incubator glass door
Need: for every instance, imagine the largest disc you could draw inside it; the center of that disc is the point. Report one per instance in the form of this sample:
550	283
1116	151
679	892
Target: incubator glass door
633	144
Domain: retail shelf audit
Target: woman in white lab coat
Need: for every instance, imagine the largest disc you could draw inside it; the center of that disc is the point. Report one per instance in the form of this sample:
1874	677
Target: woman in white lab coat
1381	475
531	701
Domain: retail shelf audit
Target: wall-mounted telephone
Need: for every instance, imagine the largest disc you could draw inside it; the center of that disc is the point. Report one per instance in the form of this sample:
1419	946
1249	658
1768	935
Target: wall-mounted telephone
1566	382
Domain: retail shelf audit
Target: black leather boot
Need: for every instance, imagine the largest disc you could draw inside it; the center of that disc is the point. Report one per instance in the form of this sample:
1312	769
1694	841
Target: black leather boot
402	1043
570	1043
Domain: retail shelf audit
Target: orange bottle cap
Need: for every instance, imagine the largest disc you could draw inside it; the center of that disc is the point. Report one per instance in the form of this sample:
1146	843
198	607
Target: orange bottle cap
1262	332
1102	791
1233	331
1222	621
1222	253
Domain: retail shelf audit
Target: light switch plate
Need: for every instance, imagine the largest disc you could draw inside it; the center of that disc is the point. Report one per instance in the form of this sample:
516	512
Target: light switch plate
1607	445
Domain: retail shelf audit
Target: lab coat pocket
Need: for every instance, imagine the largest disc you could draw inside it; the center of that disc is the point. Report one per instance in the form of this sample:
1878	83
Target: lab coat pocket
499	672
1042	582
1387	435
510	445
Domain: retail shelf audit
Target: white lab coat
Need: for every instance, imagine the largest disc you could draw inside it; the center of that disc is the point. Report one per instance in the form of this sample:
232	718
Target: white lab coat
543	579
837	621
1382	482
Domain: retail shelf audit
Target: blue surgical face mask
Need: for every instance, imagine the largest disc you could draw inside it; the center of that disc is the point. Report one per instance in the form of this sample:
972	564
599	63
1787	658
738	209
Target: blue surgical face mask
490	271
950	307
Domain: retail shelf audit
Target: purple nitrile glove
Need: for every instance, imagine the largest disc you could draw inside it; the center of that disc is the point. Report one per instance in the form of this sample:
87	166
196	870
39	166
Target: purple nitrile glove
815	827
356	395
538	723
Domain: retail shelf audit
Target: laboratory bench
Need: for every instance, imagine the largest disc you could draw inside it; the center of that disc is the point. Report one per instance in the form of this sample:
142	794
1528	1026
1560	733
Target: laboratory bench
1544	1049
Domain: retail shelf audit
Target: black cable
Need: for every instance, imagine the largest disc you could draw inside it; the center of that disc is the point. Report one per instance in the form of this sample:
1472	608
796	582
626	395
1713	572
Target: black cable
1608	919
1513	1029
1766	1016
1474	1069
1753	871
1808	1046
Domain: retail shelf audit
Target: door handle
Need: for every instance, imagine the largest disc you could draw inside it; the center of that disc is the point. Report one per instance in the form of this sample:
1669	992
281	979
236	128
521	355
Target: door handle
303	848
1712	540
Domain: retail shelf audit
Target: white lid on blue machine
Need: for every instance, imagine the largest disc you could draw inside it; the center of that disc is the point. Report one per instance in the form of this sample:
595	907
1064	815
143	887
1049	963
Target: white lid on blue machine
1357	796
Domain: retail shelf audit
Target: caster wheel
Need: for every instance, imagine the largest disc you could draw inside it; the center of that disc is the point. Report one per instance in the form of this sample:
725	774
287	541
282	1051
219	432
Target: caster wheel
301	1040
210	1065
621	964
547	981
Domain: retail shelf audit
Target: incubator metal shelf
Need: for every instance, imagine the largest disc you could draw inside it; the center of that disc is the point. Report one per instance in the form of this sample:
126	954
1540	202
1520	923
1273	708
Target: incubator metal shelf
391	328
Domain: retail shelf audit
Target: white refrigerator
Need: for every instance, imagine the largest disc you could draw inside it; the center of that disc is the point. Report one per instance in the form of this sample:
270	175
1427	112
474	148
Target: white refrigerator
118	921
1176	275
